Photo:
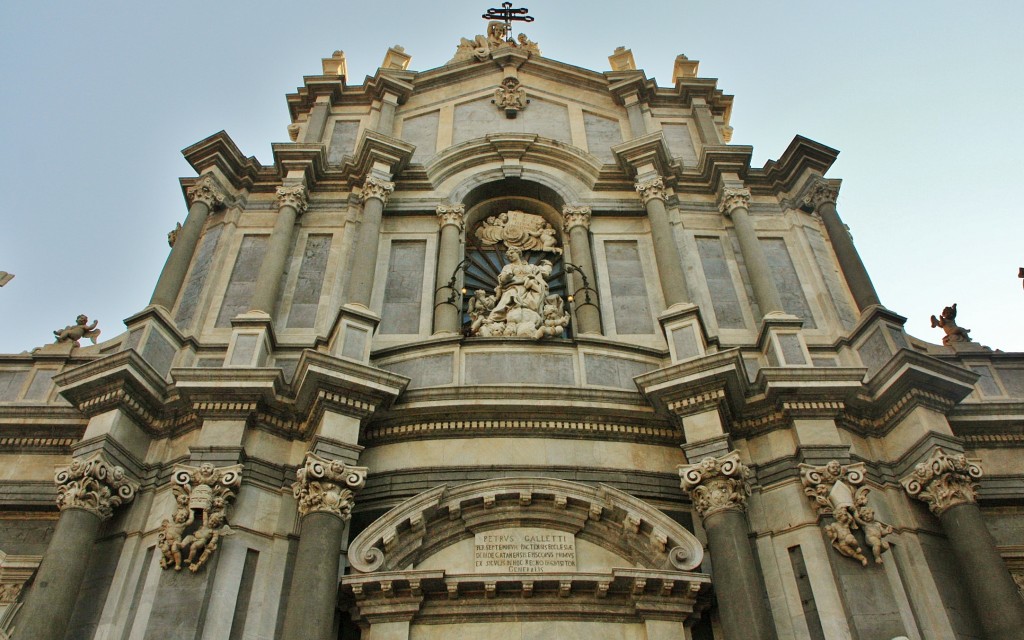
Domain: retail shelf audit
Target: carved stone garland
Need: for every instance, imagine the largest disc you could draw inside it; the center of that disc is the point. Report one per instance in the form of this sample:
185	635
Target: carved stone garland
95	485
836	491
199	521
717	484
327	486
944	481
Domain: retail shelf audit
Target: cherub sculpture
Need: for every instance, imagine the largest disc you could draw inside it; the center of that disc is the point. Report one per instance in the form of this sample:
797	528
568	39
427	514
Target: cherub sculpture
947	322
81	329
204	540
839	532
874	532
172	532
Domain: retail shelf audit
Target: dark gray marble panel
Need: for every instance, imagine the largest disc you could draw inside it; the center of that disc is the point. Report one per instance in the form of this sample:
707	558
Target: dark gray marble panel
343	140
429	371
609	371
685	342
93	593
25	537
748	289
875	352
791	349
724	300
159	352
197	278
41	385
630	305
602	135
528	368
833	279
1013	380
986	383
403	290
243	279
680	143
786	280
11	383
310	283
422	132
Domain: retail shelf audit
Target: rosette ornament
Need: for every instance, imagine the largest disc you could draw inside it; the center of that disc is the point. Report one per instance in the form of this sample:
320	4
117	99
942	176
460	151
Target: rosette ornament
95	485
327	486
717	484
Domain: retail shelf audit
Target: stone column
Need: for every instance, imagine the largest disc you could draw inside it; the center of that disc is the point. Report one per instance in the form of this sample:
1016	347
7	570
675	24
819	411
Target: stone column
291	202
666	252
447	315
364	263
719	490
576	223
325	491
822	196
946	484
203	197
734	203
87	493
706	128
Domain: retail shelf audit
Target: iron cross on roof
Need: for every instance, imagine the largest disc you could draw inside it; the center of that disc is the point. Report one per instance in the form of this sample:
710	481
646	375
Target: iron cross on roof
508	14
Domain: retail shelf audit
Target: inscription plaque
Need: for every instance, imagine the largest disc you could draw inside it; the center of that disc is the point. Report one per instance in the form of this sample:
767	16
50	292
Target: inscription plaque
524	550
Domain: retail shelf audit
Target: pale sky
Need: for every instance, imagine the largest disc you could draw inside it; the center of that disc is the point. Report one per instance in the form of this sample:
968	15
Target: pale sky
923	100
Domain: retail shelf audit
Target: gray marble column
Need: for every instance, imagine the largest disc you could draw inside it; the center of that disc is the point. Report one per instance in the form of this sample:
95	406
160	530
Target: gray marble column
447	314
734	203
666	251
87	493
291	202
325	491
576	223
946	484
204	196
719	490
822	196
364	263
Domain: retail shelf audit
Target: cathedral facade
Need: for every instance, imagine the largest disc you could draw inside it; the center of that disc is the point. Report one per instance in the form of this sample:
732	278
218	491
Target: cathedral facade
509	348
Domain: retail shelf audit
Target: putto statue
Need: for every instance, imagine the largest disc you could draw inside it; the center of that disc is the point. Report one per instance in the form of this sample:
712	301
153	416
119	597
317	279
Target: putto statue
524	231
202	491
947	322
482	47
521	305
75	332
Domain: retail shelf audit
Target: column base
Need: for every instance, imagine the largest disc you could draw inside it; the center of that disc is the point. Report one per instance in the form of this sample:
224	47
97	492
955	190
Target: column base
352	333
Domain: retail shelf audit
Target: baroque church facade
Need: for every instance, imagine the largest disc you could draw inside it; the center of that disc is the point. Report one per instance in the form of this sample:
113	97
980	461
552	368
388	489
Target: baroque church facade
509	348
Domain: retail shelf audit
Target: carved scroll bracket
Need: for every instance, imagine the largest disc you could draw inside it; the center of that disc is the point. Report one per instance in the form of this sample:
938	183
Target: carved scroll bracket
201	495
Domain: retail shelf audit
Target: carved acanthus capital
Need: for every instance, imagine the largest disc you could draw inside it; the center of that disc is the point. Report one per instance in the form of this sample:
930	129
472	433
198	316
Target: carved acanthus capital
651	189
377	188
292	196
731	199
717	484
819	192
575	216
451	214
95	485
207	191
328	486
943	481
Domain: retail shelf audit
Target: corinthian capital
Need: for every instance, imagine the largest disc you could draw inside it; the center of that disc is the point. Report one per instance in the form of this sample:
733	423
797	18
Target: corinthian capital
451	214
207	191
575	216
820	191
329	486
377	188
943	481
717	484
731	199
651	189
293	196
95	485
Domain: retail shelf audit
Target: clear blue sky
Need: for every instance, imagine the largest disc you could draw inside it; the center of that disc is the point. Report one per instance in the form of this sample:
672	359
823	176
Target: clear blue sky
922	99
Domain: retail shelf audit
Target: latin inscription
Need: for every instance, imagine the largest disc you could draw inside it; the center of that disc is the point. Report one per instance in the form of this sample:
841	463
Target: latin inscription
524	550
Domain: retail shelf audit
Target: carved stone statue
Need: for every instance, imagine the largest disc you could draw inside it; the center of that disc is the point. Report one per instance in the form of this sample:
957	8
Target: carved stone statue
839	532
482	47
75	332
874	531
524	231
947	322
528	45
202	491
172	235
172	531
521	305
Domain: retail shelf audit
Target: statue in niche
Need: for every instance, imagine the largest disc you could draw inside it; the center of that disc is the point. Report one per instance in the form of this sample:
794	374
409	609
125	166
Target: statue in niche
947	322
200	493
524	231
81	329
521	305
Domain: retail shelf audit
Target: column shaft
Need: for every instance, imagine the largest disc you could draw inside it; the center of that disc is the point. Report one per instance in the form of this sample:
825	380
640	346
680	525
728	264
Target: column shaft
757	266
173	275
364	263
446	314
51	600
268	282
588	318
742	602
987	581
314	589
849	260
666	254
706	128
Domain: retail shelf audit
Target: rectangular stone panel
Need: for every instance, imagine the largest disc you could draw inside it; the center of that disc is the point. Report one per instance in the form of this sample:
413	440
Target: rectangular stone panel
528	368
792	351
602	135
986	382
680	143
242	284
354	344
403	289
803	585
422	132
875	352
11	383
159	352
524	550
1013	380
630	306
310	283
343	140
245	348
685	342
609	371
197	278
41	385
481	117
428	371
724	300
832	277
287	365
780	263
